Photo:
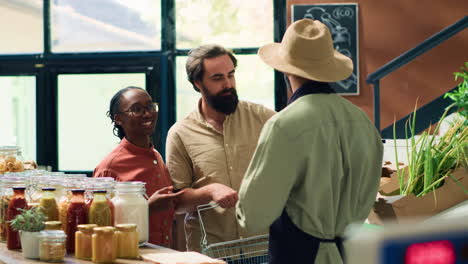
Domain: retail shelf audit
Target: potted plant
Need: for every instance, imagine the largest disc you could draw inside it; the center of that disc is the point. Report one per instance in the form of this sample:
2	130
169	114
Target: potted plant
29	224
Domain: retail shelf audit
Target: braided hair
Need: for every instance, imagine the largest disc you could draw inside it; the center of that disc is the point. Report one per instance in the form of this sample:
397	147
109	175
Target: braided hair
114	108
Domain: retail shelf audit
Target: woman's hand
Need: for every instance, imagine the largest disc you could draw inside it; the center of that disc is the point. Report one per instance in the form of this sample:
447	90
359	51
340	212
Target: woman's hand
163	199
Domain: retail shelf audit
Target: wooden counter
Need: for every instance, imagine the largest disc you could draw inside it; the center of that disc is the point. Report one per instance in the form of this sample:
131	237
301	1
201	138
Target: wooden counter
14	256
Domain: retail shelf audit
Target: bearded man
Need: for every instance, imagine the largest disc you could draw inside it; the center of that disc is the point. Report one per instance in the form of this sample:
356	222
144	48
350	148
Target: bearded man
209	151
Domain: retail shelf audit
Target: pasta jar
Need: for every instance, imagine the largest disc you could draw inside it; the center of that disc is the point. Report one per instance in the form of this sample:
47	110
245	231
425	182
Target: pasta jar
131	207
127	241
83	241
11	159
104	245
52	245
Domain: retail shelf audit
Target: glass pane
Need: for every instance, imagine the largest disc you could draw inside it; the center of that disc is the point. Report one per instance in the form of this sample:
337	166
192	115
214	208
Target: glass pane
84	131
105	25
18	114
21	26
240	23
254	83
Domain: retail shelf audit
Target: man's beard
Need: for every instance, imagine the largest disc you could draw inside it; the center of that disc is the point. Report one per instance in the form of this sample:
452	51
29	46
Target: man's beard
226	104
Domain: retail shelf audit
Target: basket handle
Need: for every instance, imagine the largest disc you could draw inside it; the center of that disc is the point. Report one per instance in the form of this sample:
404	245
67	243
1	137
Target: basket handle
200	208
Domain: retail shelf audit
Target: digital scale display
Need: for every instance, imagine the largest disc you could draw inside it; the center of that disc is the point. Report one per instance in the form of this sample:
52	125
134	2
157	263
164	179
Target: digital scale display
449	248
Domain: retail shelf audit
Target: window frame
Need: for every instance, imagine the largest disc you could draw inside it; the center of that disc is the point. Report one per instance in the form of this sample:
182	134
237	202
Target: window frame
159	67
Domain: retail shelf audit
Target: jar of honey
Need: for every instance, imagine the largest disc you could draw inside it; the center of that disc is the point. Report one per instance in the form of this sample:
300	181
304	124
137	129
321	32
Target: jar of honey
83	241
104	245
127	241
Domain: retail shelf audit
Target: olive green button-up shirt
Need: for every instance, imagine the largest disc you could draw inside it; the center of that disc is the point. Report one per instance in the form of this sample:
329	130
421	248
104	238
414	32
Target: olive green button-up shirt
320	160
197	155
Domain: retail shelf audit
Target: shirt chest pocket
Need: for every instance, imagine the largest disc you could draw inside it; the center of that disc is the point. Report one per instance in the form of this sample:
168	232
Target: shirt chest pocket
208	164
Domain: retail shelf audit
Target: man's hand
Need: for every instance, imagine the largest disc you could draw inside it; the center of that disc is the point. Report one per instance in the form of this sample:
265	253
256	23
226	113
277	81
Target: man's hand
163	199
223	195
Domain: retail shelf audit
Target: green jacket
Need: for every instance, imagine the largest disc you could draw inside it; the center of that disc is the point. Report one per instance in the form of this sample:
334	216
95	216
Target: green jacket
320	158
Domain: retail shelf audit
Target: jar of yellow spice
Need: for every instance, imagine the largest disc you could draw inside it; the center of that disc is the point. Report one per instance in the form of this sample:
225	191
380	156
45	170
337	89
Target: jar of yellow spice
104	245
83	241
127	241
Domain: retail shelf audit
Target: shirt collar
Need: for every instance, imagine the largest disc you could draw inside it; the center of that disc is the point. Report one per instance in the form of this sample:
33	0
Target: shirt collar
311	88
136	149
200	118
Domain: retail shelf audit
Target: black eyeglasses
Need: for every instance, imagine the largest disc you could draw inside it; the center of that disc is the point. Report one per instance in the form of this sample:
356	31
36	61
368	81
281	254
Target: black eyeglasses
139	110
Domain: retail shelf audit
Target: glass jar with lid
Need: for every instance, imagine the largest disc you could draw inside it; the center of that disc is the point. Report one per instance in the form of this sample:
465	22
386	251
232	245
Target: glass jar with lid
48	204
100	212
104	245
127	241
7	183
65	198
11	159
35	183
52	245
17	202
76	215
99	184
83	241
131	207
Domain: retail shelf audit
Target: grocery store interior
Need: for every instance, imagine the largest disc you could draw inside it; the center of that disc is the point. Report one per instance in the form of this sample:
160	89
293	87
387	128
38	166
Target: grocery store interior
61	61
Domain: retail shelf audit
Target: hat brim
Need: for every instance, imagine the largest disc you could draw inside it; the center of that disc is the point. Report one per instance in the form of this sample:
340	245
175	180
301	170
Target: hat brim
333	69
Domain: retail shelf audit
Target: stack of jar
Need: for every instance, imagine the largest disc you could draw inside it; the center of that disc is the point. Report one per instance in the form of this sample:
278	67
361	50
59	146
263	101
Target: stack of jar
11	159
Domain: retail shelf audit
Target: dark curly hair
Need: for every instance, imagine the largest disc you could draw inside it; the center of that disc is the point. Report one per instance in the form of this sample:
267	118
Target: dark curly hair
114	108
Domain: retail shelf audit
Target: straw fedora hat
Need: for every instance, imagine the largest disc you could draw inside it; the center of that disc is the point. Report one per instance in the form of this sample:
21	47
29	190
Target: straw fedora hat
307	51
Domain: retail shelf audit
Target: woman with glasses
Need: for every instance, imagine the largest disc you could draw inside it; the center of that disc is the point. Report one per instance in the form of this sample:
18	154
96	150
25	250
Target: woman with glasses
134	115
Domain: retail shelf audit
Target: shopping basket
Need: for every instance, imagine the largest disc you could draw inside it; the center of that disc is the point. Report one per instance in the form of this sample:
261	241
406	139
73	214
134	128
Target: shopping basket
251	250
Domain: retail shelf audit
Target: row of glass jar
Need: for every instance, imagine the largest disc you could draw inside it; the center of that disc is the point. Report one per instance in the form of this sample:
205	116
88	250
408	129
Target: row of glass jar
99	244
128	206
62	184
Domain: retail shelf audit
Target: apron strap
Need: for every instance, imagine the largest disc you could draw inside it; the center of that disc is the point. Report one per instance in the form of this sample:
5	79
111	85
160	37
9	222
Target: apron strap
289	244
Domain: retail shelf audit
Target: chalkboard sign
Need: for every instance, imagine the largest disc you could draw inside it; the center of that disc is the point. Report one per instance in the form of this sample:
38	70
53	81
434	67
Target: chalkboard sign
341	19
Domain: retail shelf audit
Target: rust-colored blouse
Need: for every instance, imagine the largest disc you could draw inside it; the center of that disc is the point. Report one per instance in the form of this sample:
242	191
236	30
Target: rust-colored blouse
128	162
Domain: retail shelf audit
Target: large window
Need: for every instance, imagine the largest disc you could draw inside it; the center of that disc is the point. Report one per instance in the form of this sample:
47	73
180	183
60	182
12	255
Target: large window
21	26
254	83
240	23
61	61
106	25
232	24
18	114
85	132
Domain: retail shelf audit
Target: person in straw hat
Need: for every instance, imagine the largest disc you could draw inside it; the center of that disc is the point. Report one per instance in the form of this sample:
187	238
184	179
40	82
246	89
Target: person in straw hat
317	164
